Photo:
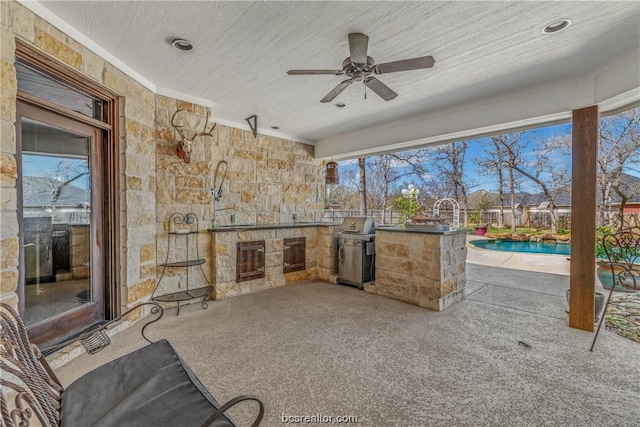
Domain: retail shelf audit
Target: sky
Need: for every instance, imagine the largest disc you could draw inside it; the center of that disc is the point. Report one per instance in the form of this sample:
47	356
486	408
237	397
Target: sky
54	166
475	150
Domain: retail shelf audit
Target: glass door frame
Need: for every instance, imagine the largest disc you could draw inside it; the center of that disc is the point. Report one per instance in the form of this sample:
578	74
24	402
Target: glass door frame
70	322
113	133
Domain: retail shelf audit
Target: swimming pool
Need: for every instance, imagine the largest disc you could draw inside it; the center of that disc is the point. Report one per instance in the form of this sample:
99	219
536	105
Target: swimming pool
529	247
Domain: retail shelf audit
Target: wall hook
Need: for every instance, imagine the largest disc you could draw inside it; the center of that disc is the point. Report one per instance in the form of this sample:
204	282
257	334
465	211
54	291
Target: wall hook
254	125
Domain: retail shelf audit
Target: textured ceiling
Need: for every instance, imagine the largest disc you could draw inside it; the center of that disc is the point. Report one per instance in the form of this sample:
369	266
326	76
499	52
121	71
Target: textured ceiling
243	50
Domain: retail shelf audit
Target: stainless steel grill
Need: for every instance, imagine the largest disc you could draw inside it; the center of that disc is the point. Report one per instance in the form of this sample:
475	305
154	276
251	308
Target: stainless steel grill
356	251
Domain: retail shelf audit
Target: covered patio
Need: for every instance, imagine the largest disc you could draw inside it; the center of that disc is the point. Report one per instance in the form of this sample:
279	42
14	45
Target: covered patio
224	135
503	356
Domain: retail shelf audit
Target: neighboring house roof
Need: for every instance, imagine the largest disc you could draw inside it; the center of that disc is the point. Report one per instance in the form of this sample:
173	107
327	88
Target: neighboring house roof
38	191
630	186
524	198
563	197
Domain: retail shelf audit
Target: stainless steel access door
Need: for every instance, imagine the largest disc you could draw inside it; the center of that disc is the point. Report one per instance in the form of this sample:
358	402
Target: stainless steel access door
350	259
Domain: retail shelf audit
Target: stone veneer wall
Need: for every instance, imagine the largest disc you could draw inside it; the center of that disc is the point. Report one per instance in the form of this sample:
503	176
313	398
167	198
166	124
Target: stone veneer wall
428	270
137	150
8	167
182	188
268	177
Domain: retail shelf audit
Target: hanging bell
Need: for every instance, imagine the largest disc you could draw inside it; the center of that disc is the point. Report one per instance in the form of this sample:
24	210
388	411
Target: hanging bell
331	173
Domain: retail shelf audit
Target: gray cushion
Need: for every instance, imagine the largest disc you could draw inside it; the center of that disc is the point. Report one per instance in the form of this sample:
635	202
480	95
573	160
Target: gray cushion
149	387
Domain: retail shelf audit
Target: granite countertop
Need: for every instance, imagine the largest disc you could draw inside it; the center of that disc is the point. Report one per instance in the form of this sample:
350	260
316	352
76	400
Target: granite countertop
419	229
241	227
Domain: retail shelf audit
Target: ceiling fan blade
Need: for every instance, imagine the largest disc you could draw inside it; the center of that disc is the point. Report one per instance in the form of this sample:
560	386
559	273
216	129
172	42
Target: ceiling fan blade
380	88
336	91
309	72
405	65
358	45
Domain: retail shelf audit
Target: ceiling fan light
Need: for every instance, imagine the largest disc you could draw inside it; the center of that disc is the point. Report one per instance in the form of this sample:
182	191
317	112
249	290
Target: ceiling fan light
555	26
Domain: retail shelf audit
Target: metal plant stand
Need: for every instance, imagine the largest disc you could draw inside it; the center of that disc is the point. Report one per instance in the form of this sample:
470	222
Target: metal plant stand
181	226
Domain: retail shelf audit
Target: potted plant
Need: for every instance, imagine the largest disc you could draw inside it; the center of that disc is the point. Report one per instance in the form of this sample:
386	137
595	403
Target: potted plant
607	263
475	221
599	303
615	260
604	270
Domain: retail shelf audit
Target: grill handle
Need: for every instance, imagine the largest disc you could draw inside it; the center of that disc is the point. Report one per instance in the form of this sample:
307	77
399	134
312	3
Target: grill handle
341	253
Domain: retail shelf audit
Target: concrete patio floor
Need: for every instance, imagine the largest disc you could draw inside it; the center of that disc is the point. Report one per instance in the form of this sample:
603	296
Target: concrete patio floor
317	348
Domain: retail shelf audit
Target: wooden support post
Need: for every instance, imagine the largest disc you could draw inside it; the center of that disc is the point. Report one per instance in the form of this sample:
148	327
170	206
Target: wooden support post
582	280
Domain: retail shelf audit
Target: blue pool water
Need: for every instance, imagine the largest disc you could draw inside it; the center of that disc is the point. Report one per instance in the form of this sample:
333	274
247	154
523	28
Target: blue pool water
529	247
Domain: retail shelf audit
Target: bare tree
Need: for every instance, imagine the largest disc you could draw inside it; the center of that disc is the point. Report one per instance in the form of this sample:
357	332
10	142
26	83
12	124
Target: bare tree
362	188
619	149
344	194
382	173
416	161
549	168
511	147
386	170
448	163
54	182
494	164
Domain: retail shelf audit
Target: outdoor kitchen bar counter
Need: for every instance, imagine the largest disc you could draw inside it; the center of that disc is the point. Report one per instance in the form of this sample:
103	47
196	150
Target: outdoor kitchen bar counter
419	266
227	240
239	227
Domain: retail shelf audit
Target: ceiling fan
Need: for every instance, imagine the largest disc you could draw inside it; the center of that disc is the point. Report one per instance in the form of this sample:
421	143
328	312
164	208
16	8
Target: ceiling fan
359	67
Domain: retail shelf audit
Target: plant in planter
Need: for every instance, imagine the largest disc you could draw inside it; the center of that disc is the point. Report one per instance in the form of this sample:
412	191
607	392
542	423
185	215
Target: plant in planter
620	258
602	261
599	302
475	221
622	250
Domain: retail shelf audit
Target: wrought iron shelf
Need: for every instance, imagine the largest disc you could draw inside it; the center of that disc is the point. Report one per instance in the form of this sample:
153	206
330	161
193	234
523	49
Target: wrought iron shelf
189	263
185	226
184	295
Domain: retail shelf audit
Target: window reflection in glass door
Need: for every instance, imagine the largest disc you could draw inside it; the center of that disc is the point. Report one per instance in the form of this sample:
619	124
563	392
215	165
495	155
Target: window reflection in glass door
56	208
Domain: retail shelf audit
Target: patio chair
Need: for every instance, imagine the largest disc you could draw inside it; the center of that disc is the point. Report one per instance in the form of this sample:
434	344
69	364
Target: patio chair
151	386
623	254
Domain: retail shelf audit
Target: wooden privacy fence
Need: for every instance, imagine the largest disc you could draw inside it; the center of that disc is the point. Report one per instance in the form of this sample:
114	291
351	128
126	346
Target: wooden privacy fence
337	215
536	219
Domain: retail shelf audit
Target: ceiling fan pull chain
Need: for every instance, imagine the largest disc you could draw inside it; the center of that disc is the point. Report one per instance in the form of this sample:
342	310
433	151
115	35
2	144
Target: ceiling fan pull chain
365	91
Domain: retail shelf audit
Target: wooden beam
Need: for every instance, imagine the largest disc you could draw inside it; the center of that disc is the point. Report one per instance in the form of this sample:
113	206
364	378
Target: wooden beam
582	280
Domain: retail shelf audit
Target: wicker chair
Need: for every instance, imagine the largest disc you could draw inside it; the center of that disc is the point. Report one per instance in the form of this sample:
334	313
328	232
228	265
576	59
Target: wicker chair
151	386
623	254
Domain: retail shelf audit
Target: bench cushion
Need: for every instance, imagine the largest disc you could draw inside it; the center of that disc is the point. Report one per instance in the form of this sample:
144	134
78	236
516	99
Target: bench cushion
149	387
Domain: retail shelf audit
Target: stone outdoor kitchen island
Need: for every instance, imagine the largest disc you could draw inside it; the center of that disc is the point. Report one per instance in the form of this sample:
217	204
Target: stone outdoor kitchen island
254	258
425	268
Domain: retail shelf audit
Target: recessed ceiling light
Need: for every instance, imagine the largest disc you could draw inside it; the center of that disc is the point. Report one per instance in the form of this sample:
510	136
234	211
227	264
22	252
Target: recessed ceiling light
275	127
556	26
181	44
341	105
